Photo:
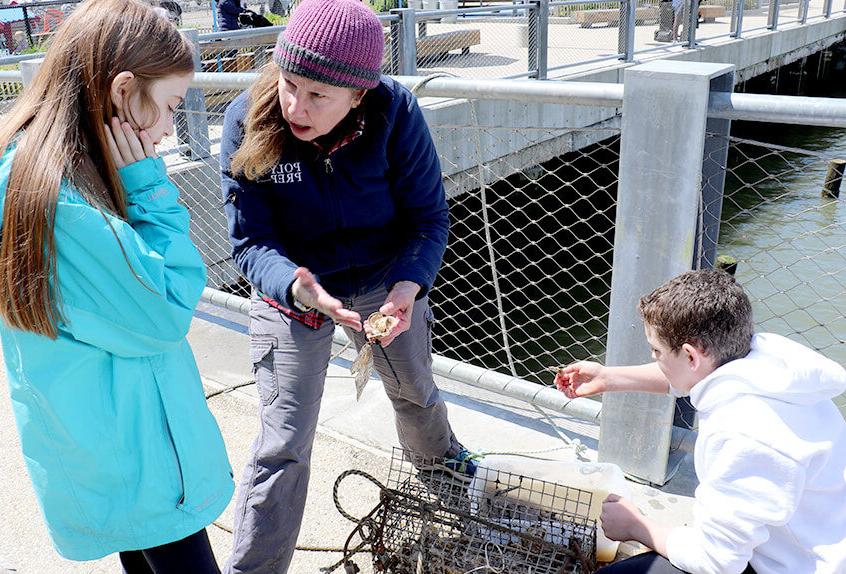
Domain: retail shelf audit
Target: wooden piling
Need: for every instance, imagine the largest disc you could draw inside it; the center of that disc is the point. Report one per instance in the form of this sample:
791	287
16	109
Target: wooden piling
833	179
727	263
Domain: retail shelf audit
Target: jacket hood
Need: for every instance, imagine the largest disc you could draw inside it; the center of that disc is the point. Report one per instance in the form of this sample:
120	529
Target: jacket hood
776	368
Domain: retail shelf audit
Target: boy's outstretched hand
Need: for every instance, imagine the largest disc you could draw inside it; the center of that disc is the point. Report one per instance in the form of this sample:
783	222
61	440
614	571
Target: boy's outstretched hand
581	379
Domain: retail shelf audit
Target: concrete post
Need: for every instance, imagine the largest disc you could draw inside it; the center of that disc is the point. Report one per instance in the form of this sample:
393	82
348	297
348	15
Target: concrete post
28	70
626	30
404	43
192	126
663	140
772	16
709	213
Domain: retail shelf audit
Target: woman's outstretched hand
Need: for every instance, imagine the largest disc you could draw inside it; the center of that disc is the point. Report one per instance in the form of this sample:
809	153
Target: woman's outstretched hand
126	146
310	293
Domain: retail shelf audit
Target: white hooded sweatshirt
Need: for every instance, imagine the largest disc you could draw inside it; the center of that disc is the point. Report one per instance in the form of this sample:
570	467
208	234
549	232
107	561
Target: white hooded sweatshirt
771	463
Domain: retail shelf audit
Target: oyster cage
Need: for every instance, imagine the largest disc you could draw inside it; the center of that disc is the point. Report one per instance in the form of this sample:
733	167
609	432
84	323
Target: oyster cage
429	521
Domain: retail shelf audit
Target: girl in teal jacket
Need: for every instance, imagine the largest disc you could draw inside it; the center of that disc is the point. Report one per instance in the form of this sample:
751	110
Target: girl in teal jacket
98	283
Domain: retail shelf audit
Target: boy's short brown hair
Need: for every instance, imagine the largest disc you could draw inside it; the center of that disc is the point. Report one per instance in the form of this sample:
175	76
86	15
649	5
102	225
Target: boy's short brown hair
707	309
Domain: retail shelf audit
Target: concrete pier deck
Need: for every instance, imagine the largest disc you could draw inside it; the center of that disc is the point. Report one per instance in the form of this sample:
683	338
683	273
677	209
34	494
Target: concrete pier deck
350	435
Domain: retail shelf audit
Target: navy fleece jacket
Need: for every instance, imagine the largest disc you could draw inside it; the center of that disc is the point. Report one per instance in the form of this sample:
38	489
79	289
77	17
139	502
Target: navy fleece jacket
371	213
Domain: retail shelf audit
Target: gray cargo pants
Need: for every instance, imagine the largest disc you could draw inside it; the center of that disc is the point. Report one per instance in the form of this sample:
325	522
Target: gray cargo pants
290	362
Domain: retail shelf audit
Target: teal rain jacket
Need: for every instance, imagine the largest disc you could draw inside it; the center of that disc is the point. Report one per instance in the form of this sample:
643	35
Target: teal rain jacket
120	445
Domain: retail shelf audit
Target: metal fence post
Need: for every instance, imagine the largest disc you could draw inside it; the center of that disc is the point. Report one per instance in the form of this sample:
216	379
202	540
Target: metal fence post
827	8
533	8
27	26
626	30
692	22
192	126
665	107
772	16
404	43
803	11
543	38
737	8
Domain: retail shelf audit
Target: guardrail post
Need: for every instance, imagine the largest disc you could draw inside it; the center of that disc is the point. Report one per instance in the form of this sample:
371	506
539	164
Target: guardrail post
772	16
692	8
827	8
626	30
803	11
737	9
404	43
192	126
665	108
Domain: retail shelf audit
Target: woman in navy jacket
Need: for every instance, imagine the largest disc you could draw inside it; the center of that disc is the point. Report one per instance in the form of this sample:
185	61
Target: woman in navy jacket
336	209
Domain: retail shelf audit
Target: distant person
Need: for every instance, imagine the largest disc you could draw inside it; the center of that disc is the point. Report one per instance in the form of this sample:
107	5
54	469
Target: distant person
173	11
336	209
678	15
19	41
771	452
227	14
280	7
98	284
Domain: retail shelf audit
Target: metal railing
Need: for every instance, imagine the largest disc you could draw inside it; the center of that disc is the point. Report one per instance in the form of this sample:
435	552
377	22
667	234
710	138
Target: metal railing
531	277
528	39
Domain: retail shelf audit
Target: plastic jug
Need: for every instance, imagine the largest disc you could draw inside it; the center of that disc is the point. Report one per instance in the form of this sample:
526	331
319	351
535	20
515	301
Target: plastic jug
498	472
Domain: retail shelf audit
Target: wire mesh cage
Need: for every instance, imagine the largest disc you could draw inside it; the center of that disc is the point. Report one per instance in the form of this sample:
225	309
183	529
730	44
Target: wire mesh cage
432	519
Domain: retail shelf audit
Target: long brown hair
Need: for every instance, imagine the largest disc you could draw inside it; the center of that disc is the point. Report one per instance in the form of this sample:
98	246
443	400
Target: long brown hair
263	128
57	127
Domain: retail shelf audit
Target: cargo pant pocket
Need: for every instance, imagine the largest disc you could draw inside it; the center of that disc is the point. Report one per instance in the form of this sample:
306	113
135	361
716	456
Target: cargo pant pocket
262	348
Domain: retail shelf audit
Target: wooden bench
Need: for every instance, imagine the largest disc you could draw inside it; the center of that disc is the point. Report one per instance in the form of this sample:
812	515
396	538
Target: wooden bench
587	18
445	42
711	13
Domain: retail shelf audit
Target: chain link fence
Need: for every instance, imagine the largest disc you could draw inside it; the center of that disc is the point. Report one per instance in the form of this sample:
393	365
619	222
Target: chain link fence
525	282
789	239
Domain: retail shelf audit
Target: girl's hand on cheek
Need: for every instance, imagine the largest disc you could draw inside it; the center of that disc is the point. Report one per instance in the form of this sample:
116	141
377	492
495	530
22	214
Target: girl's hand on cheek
126	146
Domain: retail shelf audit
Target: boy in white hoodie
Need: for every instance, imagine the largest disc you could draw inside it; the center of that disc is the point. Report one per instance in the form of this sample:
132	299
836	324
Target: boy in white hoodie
771	450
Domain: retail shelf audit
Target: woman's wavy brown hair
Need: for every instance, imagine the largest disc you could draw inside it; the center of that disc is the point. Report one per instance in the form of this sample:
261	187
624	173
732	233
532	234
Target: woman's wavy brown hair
263	129
57	126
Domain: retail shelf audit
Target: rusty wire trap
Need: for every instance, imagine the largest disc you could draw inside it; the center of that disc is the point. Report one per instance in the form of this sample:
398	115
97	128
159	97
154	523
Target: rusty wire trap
427	521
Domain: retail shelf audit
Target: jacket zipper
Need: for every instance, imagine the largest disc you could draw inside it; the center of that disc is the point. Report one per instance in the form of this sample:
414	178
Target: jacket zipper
178	463
327	164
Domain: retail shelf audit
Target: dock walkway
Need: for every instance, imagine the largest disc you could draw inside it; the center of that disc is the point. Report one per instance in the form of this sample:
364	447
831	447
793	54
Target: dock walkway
350	435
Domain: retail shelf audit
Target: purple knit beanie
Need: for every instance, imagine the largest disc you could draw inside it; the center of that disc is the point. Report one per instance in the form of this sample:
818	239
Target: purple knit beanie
337	42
